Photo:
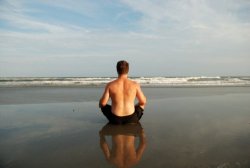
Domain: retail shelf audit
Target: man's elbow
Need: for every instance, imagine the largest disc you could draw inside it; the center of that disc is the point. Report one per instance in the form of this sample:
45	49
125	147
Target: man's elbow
102	104
143	102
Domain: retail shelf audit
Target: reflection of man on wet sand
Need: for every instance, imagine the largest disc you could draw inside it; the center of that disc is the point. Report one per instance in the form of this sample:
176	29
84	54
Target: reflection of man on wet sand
123	152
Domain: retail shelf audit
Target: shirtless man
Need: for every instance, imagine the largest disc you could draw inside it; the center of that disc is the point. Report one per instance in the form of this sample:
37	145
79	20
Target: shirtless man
122	92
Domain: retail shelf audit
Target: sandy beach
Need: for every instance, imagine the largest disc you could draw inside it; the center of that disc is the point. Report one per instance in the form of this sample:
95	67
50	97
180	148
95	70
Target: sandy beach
184	127
61	60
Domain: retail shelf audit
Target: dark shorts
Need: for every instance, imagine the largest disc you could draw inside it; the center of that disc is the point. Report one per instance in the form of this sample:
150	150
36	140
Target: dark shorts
114	119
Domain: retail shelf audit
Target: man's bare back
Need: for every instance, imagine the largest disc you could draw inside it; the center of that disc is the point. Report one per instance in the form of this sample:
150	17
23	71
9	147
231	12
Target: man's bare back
123	92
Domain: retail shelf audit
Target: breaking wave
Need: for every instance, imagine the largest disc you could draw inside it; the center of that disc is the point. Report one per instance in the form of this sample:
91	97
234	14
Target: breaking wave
144	81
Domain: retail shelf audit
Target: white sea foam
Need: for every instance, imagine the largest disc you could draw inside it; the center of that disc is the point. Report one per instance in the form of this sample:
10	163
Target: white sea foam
144	81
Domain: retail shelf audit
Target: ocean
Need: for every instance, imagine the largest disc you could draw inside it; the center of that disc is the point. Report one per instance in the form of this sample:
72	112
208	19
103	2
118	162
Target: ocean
144	81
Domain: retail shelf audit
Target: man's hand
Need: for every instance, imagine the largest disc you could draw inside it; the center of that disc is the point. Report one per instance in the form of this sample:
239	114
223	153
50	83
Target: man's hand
139	105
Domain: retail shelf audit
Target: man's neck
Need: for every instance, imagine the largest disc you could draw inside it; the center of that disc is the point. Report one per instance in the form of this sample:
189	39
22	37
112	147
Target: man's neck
123	76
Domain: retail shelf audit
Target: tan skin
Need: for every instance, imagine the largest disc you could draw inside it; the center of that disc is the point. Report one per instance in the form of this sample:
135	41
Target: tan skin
123	92
123	153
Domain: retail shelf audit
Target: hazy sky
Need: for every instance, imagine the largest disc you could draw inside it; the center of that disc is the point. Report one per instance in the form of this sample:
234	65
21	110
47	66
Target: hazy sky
157	37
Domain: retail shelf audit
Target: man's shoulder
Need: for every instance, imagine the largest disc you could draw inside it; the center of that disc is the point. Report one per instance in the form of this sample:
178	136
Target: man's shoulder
111	83
134	83
117	82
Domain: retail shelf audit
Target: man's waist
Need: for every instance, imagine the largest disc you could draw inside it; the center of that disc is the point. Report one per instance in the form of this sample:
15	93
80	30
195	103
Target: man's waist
123	112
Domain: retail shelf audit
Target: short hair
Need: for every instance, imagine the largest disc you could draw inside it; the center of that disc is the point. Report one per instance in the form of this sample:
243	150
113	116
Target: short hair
122	67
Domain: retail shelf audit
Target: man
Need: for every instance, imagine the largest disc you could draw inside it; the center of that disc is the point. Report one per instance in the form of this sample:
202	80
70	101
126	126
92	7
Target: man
123	92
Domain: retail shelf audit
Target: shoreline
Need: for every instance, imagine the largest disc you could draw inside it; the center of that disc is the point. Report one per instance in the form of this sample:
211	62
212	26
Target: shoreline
142	85
40	95
200	81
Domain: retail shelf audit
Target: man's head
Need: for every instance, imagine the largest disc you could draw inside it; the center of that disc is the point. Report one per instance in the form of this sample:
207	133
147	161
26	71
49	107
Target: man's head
122	67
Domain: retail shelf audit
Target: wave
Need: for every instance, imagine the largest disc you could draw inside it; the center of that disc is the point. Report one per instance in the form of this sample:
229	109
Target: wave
144	81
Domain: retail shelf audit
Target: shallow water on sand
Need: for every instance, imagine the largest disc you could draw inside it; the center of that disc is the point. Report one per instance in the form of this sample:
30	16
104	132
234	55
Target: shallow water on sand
182	127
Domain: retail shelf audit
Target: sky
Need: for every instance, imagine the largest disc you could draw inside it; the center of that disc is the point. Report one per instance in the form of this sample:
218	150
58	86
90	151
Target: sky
157	37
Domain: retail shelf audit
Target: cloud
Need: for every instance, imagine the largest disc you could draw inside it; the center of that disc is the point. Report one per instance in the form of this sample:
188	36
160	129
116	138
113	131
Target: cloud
88	8
181	33
214	17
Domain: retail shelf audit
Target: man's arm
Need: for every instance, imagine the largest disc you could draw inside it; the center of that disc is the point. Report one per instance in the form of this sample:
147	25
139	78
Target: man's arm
105	97
140	96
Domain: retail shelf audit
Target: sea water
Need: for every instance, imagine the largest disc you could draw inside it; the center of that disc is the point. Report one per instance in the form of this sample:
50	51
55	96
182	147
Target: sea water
145	81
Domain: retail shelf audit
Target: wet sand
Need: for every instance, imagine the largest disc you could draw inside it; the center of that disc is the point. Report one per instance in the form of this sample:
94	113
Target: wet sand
183	127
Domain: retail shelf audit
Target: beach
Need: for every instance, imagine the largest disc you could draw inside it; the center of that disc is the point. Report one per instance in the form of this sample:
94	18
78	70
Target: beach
183	126
191	58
